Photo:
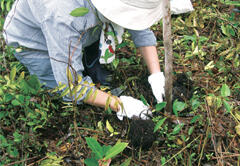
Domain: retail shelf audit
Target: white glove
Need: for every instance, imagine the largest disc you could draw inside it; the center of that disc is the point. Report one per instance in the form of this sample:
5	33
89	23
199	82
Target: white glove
132	107
157	82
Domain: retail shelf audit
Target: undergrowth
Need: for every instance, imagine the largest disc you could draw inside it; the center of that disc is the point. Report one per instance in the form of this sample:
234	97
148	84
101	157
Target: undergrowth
37	127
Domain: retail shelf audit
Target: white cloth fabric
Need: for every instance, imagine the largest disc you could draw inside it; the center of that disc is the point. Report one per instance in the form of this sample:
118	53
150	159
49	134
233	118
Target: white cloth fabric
157	82
110	33
138	14
132	107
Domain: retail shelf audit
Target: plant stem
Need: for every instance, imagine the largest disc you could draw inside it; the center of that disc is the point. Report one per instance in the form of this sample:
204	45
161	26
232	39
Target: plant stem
168	54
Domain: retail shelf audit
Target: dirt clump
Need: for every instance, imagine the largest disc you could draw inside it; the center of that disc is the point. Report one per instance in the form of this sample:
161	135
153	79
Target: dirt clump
141	133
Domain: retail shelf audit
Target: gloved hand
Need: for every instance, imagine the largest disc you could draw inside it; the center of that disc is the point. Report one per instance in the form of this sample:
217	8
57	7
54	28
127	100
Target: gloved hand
132	107
157	82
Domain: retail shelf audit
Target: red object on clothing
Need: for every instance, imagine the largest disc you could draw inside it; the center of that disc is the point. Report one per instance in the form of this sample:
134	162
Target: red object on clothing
111	49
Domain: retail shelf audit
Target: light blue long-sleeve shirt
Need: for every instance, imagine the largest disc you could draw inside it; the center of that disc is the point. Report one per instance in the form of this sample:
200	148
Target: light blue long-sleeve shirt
47	26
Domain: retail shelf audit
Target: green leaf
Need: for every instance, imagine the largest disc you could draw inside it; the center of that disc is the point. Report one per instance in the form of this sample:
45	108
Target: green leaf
144	100
91	162
65	92
224	30
160	106
69	75
31	123
109	127
2	114
163	160
178	106
127	162
177	129
13	73
190	130
34	82
89	94
95	146
8	97
195	118
159	124
225	91
195	104
16	102
118	148
78	12
3	141
227	106
14	152
115	63
17	137
105	149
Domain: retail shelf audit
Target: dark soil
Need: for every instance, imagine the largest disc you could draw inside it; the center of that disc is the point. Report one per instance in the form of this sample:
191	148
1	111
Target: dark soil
141	133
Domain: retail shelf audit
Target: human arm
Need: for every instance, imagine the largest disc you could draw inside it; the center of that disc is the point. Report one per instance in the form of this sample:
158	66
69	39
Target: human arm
145	41
59	44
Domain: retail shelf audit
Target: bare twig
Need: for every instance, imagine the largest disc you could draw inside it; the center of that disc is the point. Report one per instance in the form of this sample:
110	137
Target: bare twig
18	162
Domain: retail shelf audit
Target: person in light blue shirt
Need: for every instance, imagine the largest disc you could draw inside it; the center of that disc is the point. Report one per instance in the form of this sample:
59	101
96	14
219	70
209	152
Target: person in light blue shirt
49	35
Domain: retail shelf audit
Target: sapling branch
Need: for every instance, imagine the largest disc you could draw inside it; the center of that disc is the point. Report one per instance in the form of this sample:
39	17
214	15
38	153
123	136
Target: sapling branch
168	54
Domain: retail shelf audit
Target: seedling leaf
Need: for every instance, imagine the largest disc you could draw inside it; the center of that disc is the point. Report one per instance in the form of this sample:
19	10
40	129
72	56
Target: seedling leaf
118	148
159	124
225	91
78	12
160	106
95	147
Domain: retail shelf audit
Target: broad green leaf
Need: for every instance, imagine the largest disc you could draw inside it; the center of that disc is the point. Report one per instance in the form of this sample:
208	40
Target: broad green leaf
16	102
160	106
105	149
91	162
78	12
227	106
159	124
116	149
225	91
95	147
178	106
127	162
